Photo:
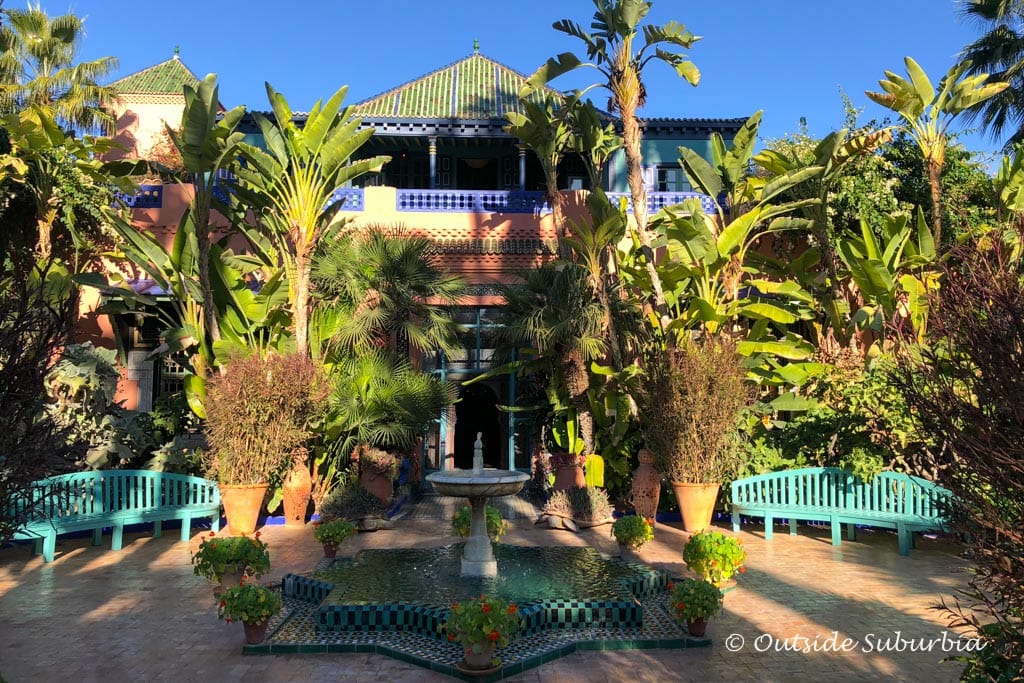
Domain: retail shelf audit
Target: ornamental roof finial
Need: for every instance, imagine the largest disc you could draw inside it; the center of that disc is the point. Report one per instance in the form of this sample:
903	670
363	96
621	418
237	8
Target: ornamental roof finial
177	51
476	46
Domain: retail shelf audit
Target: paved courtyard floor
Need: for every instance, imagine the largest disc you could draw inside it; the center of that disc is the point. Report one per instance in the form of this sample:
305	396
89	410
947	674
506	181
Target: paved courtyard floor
142	615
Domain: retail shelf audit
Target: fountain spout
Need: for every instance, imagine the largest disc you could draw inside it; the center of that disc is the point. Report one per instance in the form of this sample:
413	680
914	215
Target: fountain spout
478	454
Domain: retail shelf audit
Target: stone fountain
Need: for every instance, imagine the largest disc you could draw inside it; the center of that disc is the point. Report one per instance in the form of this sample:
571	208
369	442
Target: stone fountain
478	485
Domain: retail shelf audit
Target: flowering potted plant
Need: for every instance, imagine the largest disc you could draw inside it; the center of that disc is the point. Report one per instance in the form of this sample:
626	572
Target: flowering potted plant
693	602
332	534
251	604
482	625
229	558
714	557
632	532
496	526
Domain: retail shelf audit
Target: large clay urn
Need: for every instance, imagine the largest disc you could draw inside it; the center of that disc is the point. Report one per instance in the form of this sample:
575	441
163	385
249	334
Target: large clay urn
646	489
296	490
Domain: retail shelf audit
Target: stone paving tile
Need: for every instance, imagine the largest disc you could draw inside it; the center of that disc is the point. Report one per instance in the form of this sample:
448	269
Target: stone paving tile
142	615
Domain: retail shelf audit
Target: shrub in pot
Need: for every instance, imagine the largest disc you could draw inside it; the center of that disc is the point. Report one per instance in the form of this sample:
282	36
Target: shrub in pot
714	557
482	625
231	556
251	604
693	602
632	532
259	412
332	534
694	397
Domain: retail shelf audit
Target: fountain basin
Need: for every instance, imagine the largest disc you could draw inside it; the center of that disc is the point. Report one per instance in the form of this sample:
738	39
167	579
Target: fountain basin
487	483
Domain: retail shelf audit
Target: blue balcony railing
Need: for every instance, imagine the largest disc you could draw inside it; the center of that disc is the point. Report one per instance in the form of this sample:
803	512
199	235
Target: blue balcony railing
147	197
472	201
352	198
656	201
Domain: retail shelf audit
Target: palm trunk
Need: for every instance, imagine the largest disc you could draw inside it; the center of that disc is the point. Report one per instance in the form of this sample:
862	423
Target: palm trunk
557	202
300	311
935	181
631	138
577	382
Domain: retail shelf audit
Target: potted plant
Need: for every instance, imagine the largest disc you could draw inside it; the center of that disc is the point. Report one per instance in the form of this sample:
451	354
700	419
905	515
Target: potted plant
482	625
714	557
496	526
693	602
377	471
229	559
694	397
251	604
568	469
577	507
631	532
259	412
332	534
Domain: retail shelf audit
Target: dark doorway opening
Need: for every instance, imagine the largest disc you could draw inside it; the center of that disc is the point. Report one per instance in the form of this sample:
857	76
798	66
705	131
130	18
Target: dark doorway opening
477	411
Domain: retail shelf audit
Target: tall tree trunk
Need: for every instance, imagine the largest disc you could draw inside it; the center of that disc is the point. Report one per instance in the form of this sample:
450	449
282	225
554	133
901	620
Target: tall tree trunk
300	312
577	382
935	181
631	138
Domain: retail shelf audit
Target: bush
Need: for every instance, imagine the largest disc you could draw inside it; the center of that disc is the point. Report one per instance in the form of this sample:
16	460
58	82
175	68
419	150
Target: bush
334	532
694	396
581	503
496	526
218	556
713	556
248	602
966	389
258	412
633	531
694	599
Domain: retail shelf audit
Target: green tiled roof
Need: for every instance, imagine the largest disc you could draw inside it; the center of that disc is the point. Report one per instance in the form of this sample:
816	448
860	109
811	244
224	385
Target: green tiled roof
473	88
163	78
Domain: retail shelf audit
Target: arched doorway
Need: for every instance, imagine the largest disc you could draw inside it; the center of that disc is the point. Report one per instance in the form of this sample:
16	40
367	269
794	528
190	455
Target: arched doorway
477	411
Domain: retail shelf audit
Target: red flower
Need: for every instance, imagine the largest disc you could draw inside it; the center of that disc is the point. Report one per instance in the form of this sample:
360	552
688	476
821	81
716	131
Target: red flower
671	585
212	534
257	534
213	546
494	635
451	637
680	605
512	609
743	570
485	607
223	603
455	606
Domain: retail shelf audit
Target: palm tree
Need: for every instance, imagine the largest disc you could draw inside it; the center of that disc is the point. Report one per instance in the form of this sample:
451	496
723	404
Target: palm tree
378	287
928	115
554	314
297	175
37	67
999	52
612	50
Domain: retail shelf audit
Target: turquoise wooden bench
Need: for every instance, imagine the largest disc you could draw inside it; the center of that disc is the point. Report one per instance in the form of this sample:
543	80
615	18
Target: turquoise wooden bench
892	500
91	501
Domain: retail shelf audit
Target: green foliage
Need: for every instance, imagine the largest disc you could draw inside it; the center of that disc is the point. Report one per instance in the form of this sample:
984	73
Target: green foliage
349	500
714	557
333	532
258	412
632	531
693	399
581	503
481	622
496	526
249	603
217	556
694	599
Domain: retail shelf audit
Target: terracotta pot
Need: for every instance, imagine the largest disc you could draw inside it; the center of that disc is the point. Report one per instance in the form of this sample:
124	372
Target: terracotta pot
697	627
569	476
255	633
296	490
377	484
696	504
646	490
330	550
479	661
242	505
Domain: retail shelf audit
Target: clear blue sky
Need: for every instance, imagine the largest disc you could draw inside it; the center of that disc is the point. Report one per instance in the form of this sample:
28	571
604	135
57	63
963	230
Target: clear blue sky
788	57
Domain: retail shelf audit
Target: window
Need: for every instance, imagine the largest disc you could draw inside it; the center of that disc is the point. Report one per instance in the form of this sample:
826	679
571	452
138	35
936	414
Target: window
671	179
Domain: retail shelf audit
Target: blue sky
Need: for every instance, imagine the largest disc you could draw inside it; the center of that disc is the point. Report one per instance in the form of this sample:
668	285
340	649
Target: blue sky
787	57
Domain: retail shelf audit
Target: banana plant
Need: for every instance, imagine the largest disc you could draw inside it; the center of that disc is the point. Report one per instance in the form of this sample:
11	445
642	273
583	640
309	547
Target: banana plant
895	276
833	154
293	180
928	115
